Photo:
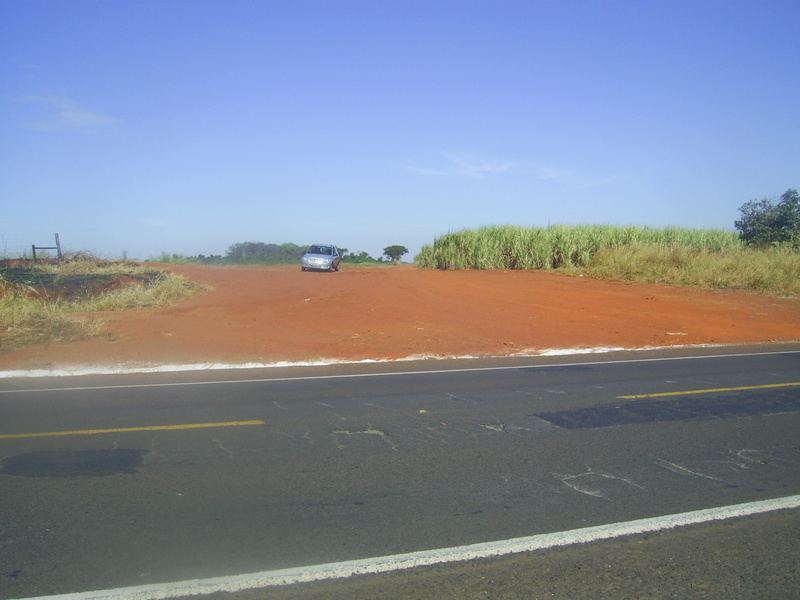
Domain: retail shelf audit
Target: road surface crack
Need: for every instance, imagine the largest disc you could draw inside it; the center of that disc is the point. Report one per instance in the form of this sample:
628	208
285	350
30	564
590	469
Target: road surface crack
230	453
498	427
369	431
680	470
576	482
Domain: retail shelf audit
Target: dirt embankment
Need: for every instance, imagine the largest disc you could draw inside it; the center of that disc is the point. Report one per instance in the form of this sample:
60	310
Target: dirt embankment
273	314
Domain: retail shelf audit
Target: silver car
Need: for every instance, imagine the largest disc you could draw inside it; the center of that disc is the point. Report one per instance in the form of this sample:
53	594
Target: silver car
323	257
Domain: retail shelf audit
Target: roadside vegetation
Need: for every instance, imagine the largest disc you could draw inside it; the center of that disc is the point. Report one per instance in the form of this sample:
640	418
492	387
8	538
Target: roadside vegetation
54	302
707	258
260	253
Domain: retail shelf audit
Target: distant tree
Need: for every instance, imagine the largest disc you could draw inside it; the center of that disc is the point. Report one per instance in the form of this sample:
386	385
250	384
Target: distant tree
214	259
395	252
767	223
356	257
261	253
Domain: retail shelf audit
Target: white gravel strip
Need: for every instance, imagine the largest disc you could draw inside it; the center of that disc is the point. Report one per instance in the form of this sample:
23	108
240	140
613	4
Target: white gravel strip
136	368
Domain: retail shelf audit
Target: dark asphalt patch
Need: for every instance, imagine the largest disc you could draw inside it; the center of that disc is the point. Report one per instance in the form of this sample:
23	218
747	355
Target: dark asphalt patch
692	408
73	463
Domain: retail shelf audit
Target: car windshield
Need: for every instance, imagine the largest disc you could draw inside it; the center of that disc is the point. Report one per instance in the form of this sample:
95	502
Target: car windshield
320	250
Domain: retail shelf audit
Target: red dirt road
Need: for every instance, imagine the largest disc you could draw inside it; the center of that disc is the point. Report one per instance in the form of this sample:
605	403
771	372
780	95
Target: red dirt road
275	314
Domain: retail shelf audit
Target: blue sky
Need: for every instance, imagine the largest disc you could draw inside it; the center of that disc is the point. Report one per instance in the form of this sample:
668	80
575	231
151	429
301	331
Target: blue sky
136	127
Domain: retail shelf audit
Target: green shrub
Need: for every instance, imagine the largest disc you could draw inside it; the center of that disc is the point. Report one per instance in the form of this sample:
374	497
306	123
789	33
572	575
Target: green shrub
765	223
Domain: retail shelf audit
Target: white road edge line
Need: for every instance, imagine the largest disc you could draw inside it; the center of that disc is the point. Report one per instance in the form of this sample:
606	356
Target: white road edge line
385	564
392	373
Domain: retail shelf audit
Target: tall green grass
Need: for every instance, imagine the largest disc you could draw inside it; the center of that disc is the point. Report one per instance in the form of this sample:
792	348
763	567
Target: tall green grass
709	258
557	246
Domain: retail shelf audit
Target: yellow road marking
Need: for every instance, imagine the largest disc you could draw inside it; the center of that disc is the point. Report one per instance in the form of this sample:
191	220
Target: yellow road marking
132	429
711	391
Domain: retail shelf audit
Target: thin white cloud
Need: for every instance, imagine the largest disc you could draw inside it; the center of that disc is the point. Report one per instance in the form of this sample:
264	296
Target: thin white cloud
550	172
586	181
63	115
572	180
474	168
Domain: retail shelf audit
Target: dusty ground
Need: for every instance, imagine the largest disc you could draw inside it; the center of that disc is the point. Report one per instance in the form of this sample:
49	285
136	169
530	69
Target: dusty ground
273	314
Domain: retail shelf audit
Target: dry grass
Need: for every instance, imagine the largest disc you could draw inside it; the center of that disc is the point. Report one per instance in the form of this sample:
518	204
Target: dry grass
769	271
166	289
27	320
31	314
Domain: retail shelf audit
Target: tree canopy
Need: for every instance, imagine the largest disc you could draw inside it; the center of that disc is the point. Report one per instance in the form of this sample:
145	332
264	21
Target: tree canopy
395	252
768	223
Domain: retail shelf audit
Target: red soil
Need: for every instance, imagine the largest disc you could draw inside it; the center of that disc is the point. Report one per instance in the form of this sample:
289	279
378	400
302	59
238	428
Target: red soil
273	314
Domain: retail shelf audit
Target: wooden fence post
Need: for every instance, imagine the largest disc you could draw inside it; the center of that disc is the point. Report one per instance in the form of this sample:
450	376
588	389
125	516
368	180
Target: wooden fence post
57	248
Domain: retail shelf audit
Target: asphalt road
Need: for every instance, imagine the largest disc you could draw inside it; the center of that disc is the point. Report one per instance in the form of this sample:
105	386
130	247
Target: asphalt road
113	482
